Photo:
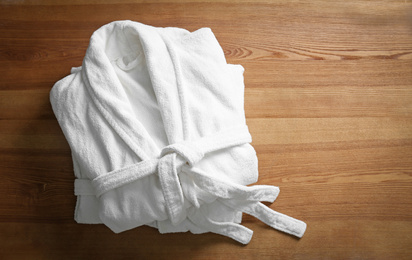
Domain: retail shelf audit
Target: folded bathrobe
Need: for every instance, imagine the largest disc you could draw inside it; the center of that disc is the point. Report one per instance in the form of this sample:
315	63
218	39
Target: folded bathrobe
155	121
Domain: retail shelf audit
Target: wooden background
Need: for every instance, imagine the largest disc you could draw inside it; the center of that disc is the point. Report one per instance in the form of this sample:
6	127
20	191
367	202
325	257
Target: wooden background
328	101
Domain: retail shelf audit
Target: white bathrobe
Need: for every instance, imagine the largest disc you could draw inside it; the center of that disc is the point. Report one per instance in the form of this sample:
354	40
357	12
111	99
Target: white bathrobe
155	121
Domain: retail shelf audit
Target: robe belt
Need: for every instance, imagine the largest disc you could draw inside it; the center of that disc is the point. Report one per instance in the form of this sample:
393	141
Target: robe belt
183	156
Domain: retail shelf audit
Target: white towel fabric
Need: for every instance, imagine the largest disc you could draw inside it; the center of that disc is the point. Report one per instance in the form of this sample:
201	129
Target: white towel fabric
155	121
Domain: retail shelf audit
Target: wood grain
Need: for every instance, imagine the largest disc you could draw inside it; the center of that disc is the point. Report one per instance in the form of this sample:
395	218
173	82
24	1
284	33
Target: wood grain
328	102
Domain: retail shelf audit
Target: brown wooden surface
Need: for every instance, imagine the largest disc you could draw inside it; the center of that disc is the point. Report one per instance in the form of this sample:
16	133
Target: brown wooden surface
328	101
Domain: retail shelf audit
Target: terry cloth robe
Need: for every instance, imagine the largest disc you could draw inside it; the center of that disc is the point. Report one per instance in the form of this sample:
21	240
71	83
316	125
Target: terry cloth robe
155	121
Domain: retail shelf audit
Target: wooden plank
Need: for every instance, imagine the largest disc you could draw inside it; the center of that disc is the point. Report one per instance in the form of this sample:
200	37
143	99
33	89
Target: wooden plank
68	241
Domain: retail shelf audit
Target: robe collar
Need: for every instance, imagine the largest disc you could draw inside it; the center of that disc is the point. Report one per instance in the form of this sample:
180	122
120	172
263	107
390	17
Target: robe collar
106	91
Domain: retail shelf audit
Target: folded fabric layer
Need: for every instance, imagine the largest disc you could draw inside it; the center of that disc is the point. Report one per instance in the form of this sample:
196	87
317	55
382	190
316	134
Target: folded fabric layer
155	121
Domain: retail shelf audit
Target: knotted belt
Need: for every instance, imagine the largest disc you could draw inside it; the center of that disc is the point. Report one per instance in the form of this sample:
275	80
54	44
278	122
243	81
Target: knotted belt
182	157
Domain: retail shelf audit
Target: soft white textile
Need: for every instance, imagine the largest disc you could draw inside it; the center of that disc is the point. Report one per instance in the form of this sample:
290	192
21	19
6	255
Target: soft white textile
155	121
